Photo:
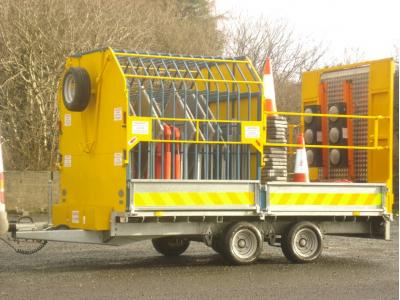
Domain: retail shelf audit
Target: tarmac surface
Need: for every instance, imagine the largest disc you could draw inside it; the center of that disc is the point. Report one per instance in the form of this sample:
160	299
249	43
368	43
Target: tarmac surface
350	268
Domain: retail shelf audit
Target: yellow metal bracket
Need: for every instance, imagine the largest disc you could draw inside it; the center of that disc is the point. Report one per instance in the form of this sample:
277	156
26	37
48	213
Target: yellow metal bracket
87	146
139	129
253	132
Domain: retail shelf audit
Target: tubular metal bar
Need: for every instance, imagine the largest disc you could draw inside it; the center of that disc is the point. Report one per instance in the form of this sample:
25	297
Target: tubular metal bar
326	115
235	176
248	118
188	58
205	149
327	146
174	113
218	116
228	148
129	62
186	148
302	115
190	79
196	115
156	70
149	151
196	166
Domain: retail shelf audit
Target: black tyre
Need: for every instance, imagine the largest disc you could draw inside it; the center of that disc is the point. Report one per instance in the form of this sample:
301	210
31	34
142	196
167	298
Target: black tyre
217	245
76	89
302	243
242	243
170	246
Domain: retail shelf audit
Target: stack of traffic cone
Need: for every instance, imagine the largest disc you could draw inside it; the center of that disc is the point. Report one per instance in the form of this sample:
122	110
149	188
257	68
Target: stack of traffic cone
301	166
269	87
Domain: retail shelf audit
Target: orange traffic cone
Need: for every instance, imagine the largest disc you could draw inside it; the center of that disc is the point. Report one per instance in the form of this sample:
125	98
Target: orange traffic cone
301	166
269	87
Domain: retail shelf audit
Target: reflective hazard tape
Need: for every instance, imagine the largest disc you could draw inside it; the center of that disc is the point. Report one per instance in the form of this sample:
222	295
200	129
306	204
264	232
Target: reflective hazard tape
324	199
193	199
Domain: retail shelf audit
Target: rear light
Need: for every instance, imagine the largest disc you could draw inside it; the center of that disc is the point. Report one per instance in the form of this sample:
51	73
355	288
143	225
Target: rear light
313	135
338	135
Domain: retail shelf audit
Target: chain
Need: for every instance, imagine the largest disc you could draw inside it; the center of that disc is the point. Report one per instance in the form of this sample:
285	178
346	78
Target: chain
24	251
19	250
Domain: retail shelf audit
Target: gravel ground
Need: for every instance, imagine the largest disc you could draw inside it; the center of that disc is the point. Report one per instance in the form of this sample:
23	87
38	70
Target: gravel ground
350	268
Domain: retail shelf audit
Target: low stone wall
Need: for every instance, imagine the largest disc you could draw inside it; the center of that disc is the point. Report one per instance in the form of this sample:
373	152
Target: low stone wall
28	191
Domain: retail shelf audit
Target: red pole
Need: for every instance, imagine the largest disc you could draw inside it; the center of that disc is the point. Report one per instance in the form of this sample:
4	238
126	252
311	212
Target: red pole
167	154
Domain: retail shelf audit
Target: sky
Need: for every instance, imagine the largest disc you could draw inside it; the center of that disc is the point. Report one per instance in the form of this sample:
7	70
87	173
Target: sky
367	29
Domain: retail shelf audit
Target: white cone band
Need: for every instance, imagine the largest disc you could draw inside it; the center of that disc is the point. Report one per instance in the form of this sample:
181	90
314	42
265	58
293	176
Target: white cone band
301	166
269	89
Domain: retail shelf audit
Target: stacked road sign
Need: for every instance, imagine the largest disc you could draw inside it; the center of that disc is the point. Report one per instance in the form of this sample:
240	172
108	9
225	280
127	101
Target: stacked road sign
275	158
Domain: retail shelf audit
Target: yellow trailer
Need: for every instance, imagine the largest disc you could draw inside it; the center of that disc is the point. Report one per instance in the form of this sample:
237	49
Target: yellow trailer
176	148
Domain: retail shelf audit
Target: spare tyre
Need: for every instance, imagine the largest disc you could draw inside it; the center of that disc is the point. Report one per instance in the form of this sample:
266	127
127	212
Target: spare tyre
76	89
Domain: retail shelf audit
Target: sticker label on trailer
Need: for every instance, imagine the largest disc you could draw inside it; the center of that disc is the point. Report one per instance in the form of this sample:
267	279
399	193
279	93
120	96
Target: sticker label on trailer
140	127
67	161
75	217
252	132
344	133
117	114
118	159
67	120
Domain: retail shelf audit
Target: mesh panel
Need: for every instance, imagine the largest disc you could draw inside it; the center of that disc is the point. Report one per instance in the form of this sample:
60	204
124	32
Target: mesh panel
359	82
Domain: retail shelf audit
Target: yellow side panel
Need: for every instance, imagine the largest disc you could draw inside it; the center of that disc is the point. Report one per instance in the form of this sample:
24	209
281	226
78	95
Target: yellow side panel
168	199
92	145
310	87
380	102
310	82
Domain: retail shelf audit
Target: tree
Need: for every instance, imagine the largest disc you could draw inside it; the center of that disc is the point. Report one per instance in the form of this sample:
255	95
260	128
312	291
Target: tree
37	35
259	38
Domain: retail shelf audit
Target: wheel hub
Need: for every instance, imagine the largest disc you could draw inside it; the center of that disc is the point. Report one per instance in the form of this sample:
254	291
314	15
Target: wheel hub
242	243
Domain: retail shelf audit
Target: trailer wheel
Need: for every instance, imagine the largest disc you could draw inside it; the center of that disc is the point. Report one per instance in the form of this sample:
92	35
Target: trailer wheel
76	89
170	246
243	243
302	243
